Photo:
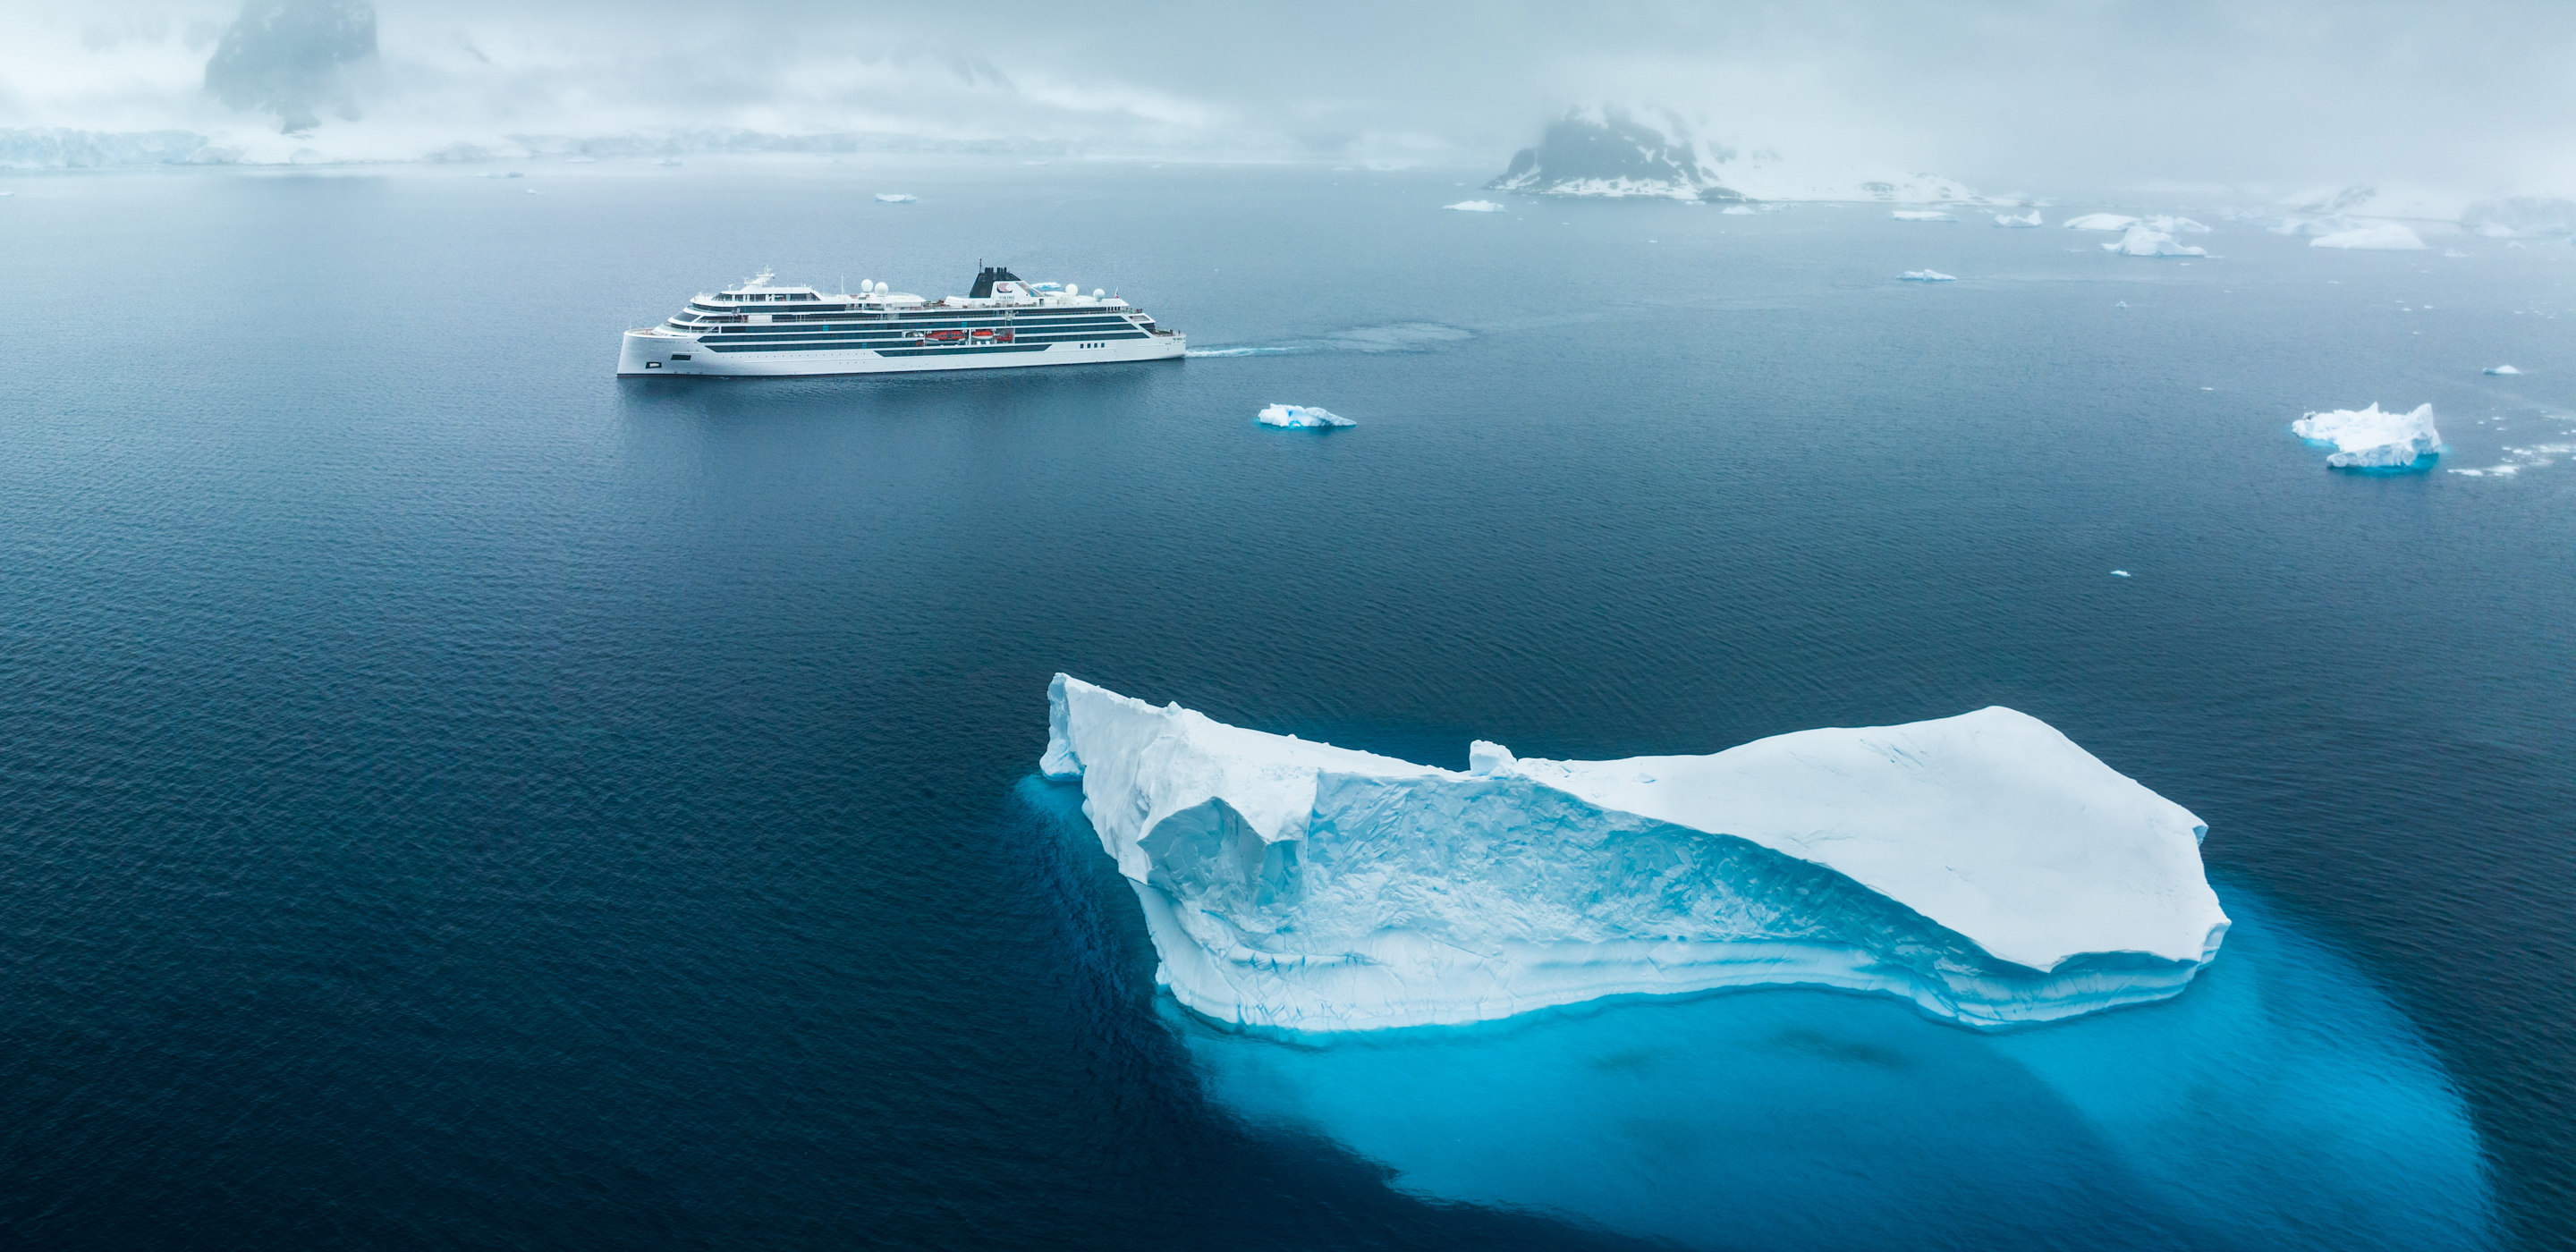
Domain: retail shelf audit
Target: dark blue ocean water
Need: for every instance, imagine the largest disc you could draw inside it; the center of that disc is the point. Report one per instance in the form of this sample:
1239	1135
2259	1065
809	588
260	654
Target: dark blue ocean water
449	797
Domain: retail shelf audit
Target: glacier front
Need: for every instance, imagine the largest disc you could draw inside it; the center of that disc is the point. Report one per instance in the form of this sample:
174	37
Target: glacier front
1982	866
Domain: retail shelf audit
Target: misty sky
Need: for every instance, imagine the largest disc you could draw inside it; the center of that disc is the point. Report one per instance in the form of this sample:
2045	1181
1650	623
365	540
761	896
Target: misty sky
2475	97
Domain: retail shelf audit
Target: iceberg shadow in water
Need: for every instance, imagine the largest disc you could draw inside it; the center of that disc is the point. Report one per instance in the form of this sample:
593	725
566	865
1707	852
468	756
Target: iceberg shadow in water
2280	1103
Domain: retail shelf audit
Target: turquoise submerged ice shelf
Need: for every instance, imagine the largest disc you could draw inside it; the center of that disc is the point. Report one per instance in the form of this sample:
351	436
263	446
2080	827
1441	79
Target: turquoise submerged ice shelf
1981	866
2283	1105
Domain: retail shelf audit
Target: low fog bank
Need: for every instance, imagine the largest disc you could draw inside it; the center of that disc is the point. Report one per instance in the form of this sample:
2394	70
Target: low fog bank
2438	109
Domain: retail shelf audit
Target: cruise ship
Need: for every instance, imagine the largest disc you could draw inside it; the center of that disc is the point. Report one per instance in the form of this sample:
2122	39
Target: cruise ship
761	329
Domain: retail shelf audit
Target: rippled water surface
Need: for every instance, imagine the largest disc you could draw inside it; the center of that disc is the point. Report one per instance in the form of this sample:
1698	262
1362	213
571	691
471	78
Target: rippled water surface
450	797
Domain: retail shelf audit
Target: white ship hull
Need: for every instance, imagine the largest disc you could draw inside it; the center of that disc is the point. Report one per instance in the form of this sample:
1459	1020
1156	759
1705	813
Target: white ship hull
652	353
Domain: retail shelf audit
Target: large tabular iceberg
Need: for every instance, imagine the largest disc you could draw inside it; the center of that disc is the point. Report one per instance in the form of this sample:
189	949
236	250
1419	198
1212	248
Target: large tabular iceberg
2368	439
1982	866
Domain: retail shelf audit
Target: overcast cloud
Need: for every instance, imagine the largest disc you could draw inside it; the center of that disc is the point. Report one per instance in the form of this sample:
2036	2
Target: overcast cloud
2002	94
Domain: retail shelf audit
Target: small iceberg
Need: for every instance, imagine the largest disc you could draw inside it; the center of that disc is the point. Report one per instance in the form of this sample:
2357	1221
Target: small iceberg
1927	276
897	197
2502	369
1921	215
2144	240
2368	439
2176	225
1739	210
2119	573
2100	221
1302	417
1474	206
2385	237
2021	222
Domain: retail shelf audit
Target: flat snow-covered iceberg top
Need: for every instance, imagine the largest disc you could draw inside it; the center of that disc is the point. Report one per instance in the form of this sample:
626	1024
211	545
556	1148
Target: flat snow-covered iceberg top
1982	866
2368	439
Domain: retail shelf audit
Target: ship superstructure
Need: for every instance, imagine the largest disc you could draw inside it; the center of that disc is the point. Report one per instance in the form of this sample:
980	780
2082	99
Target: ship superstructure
759	328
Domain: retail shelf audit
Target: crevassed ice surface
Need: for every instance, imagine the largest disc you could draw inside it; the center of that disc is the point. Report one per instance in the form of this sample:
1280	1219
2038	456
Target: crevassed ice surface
1982	866
2370	438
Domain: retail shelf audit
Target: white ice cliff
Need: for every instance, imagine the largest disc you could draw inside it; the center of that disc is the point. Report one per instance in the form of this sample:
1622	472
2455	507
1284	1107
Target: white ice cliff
1982	866
2370	439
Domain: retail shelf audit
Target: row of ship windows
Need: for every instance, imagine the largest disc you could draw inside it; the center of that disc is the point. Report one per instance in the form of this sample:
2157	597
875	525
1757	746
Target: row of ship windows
844	311
821	332
1060	323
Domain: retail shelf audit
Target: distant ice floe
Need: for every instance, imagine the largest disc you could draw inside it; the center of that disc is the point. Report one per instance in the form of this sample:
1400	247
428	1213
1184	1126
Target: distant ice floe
2100	221
2502	369
2023	221
2119	573
2143	240
1739	210
1921	215
2382	237
1474	206
2535	456
897	197
1928	276
2369	439
2176	225
1302	417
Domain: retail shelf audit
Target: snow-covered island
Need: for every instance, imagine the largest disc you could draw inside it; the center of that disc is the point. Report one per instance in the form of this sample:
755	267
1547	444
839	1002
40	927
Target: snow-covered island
1981	866
2368	439
1608	152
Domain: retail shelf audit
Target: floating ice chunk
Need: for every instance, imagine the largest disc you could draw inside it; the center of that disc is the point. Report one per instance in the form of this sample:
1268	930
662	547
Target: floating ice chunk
2502	369
1474	206
897	197
2023	221
2119	573
2384	237
1982	866
2100	221
1739	210
1299	416
1921	215
2176	225
2368	439
1927	276
2143	240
